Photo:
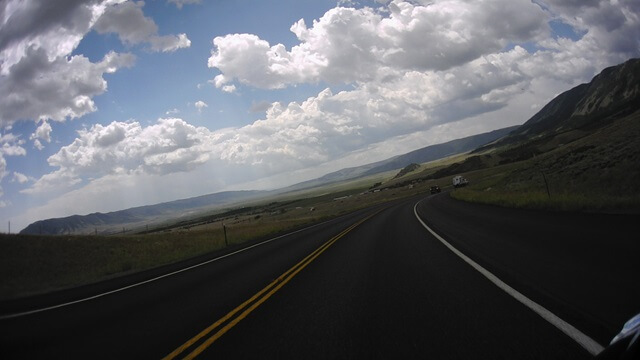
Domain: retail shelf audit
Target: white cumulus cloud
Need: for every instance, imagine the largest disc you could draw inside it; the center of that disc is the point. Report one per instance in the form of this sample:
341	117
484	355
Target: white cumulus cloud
356	45
125	150
20	178
128	21
40	79
200	105
10	145
54	183
170	145
43	132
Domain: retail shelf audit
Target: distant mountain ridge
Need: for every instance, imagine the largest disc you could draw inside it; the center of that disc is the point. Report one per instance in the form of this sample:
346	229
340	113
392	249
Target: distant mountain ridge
423	155
104	221
439	151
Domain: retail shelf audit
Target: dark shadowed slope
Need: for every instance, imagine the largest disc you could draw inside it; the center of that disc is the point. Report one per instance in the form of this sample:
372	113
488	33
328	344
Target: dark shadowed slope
612	94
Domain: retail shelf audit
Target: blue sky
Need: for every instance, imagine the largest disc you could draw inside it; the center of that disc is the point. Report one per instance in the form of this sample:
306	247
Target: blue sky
106	105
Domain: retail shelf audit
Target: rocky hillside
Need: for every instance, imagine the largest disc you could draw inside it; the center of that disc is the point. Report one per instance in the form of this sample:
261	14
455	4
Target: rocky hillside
585	140
612	94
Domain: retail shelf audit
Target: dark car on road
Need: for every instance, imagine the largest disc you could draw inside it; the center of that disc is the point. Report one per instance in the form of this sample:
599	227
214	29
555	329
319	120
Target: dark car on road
435	189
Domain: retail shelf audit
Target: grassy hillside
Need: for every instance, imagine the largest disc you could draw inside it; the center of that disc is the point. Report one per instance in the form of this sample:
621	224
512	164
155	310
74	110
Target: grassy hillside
407	169
597	172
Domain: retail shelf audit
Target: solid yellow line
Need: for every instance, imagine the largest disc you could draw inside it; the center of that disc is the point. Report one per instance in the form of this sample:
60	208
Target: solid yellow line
280	281
211	327
244	314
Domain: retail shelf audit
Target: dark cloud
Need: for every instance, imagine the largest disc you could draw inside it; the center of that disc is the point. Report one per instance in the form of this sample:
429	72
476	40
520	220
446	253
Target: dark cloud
39	88
574	4
128	21
35	17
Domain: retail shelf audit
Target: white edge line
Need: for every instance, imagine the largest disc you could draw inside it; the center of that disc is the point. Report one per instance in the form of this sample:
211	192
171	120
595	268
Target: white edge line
24	313
582	339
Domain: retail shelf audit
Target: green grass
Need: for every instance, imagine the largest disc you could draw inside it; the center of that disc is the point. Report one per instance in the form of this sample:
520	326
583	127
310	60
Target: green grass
540	200
595	173
38	264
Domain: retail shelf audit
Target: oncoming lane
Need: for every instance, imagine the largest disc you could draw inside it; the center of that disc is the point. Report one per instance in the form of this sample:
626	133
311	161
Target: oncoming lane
152	319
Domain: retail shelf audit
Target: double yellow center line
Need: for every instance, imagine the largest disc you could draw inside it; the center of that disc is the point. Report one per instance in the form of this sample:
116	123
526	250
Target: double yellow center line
240	312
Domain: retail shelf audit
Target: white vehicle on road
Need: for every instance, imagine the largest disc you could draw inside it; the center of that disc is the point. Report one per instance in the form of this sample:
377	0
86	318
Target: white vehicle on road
459	181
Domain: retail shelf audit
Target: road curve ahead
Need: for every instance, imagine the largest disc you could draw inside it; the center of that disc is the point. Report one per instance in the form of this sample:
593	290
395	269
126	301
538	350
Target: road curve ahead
582	267
373	284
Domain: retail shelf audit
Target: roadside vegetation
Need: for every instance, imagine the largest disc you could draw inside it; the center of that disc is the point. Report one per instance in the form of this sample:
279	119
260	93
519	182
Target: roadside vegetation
31	264
598	172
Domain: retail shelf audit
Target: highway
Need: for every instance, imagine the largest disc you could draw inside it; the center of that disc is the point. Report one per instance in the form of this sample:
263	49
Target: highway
372	284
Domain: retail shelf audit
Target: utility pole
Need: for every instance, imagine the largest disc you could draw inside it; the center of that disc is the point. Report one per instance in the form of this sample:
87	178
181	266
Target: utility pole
9	227
224	229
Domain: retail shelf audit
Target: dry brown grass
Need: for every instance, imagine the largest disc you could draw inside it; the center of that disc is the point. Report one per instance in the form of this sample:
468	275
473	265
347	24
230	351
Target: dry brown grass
598	173
38	264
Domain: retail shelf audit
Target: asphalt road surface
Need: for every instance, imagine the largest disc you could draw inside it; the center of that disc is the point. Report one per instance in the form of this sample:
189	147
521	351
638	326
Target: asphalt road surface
371	284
